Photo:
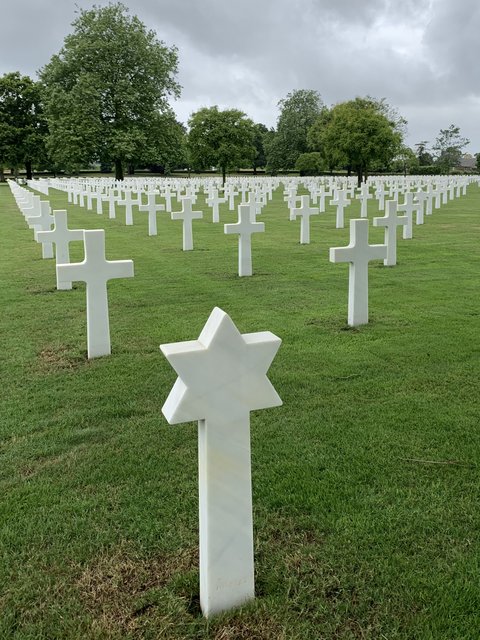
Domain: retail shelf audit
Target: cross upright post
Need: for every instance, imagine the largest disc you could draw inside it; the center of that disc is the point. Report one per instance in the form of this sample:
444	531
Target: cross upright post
408	207
187	216
358	254
127	202
98	195
380	193
213	201
61	236
305	212
429	199
341	201
152	208
42	222
291	199
221	379
245	226
391	220
111	197
364	196
321	194
32	208
167	194
230	193
89	195
421	198
81	197
95	271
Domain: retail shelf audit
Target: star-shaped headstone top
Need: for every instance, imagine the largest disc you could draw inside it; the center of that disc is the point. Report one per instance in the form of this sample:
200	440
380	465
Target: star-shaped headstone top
222	375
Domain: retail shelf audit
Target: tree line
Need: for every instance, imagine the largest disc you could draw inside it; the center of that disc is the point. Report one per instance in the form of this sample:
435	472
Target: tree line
104	99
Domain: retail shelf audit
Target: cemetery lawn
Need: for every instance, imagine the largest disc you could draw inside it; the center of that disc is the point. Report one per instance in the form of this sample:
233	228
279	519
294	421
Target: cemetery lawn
365	482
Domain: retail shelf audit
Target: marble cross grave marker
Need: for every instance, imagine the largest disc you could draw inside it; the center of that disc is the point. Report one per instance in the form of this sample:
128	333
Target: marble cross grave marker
358	253
61	236
408	206
341	201
213	201
128	203
244	227
42	222
391	220
152	208
95	271
222	377
187	215
304	211
364	196
111	197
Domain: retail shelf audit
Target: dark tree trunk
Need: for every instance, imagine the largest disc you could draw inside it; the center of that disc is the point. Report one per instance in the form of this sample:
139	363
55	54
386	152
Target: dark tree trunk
224	174
2	175
118	169
28	169
254	169
131	169
359	176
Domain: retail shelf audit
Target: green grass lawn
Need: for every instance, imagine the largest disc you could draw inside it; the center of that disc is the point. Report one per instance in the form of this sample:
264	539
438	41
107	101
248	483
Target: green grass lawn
365	482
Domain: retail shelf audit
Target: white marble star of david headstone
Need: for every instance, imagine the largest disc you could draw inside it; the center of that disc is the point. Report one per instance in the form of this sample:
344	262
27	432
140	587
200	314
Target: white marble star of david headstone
222	377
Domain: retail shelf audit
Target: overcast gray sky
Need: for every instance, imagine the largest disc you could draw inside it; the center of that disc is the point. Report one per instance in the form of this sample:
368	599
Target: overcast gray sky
423	56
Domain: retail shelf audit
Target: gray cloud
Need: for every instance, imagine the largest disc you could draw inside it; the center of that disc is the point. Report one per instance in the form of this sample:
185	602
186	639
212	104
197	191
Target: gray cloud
421	55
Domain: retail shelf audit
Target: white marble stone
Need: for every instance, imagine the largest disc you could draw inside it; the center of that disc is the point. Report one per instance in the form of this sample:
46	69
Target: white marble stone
408	207
95	271
222	377
364	196
358	254
31	209
420	198
380	193
187	215
127	201
305	211
61	236
43	222
245	226
214	201
112	198
390	221
340	201
152	208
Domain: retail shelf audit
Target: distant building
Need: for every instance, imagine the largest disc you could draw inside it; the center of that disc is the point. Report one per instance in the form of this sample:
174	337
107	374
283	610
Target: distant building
468	162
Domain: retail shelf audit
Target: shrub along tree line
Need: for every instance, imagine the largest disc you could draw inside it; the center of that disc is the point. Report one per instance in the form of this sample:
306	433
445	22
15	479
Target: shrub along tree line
104	99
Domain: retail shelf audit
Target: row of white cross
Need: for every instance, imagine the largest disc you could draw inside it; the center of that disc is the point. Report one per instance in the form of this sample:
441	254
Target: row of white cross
95	270
358	253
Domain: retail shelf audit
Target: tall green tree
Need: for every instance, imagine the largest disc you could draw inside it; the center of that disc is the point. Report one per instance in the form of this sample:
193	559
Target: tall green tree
161	146
310	164
260	158
298	111
106	87
358	134
423	154
406	161
222	139
22	123
448	148
332	156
